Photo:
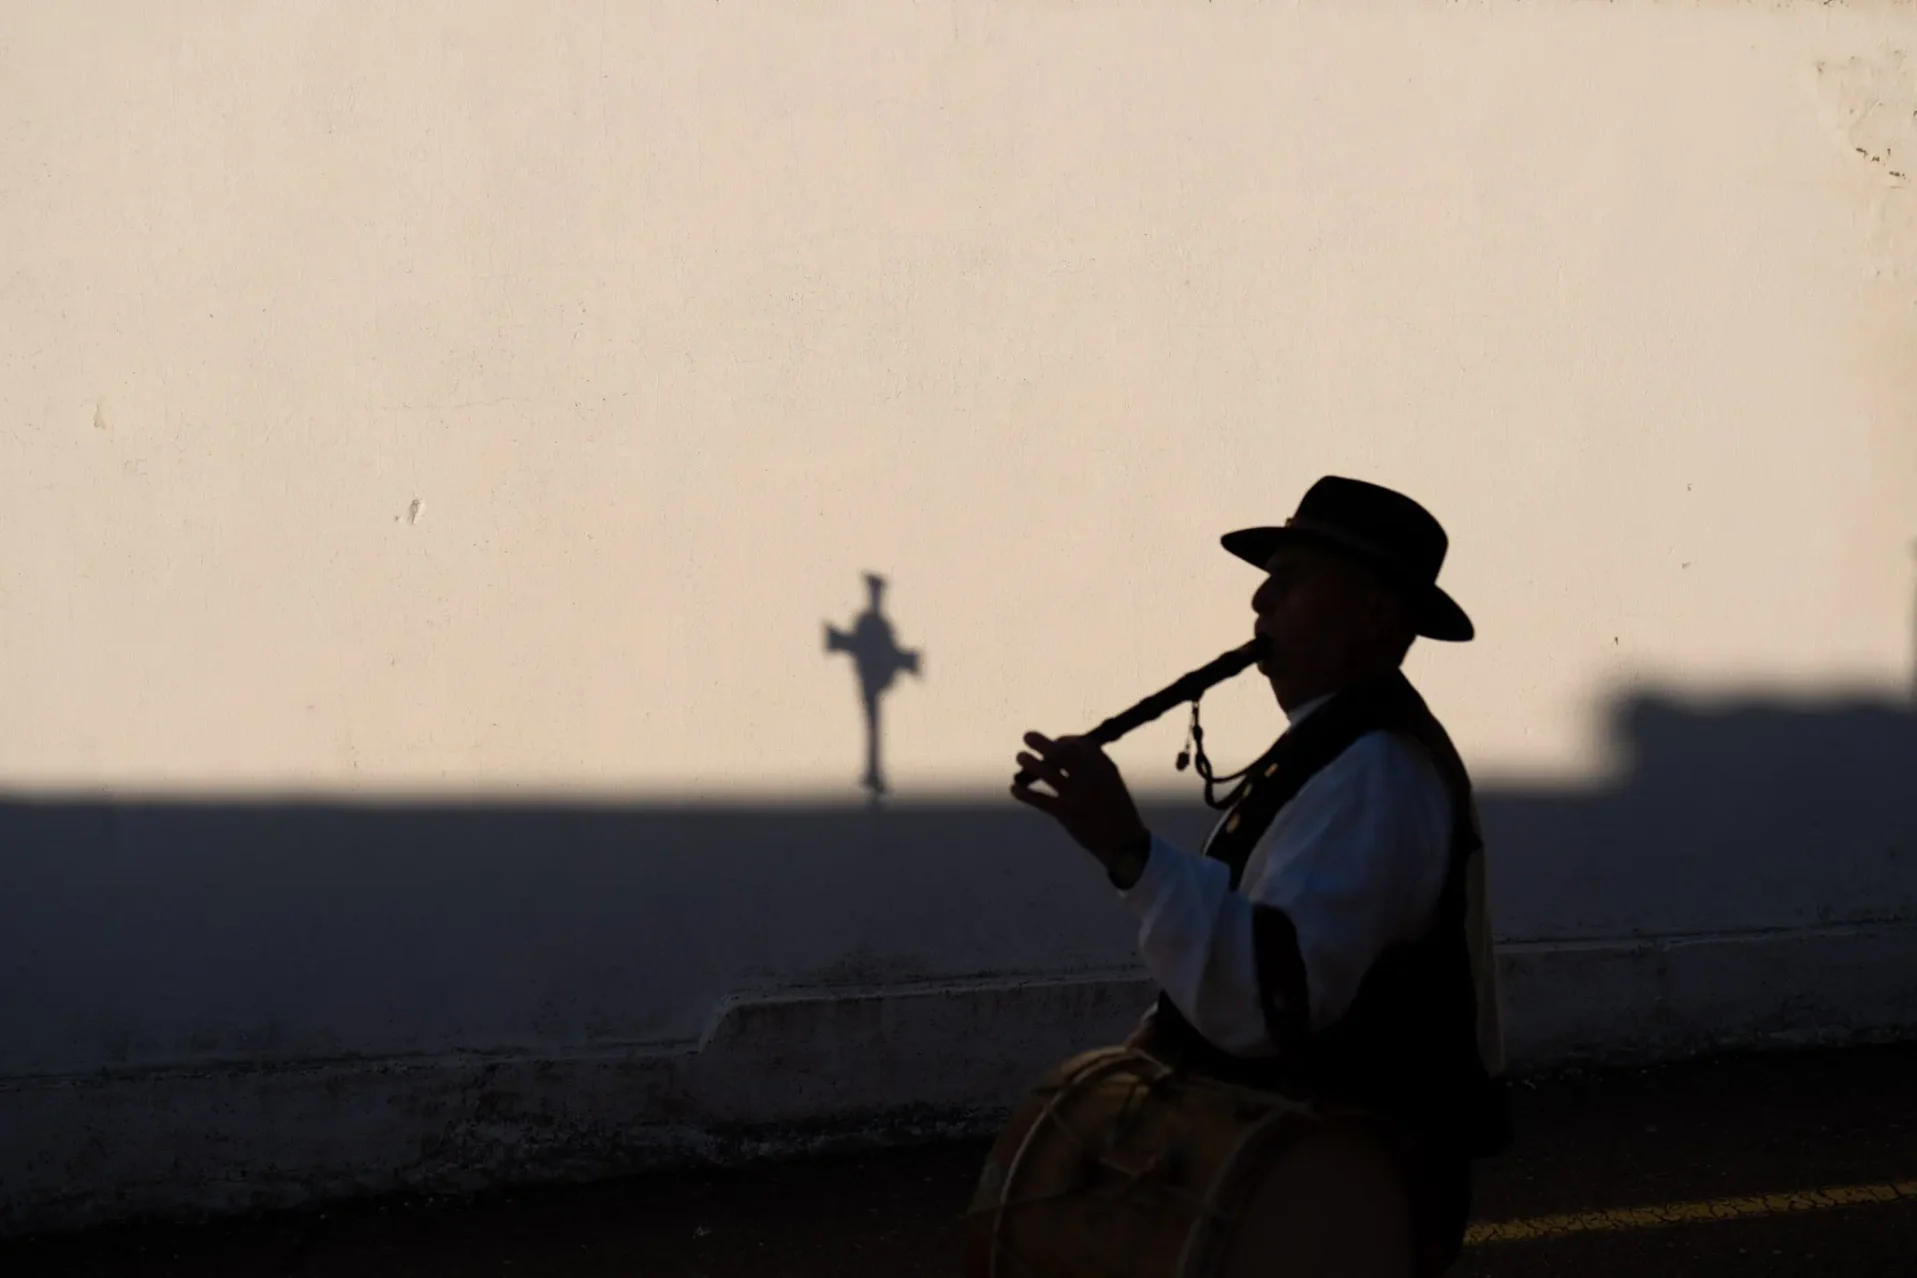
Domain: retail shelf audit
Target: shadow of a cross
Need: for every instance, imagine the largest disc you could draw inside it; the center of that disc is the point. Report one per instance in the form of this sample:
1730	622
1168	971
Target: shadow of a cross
878	659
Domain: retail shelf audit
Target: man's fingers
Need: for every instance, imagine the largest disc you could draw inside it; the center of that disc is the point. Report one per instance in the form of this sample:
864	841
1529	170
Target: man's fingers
1049	762
1072	751
1043	769
1069	751
1031	798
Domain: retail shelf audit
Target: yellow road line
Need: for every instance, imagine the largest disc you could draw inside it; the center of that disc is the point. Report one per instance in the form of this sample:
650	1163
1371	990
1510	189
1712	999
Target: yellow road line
1584	1222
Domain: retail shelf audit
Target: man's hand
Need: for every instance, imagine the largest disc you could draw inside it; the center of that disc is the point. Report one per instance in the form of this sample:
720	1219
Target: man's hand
1090	798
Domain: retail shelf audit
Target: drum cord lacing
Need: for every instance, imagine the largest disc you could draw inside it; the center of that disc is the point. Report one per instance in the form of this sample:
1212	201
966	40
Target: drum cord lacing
1133	1176
1203	1206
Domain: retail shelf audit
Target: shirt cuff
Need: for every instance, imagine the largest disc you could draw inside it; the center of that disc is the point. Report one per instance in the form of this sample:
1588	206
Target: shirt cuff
1161	868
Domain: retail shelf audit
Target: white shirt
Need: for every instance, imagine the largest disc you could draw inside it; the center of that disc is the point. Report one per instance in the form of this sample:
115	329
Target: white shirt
1357	861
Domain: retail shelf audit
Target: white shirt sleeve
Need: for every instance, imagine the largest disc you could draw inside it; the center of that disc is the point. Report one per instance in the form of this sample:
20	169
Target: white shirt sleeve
1356	860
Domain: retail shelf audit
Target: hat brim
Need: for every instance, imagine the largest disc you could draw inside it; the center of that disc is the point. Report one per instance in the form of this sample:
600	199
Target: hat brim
1435	614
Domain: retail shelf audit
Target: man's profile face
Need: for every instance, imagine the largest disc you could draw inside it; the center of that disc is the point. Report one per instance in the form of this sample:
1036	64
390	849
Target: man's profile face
1314	608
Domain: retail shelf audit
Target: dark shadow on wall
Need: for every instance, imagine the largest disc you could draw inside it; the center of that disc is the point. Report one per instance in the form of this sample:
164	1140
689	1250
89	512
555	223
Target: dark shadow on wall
1733	815
147	932
878	660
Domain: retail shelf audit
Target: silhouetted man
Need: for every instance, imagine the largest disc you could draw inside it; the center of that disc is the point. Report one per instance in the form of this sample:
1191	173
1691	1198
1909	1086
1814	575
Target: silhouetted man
1331	939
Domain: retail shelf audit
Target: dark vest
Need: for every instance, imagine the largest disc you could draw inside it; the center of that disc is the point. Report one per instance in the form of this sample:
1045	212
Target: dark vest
1408	1045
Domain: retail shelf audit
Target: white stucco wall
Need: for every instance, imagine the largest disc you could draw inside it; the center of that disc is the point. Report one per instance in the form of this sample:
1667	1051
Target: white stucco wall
433	439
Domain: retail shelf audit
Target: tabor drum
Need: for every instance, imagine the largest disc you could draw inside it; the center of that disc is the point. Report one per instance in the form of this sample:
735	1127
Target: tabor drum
1117	1166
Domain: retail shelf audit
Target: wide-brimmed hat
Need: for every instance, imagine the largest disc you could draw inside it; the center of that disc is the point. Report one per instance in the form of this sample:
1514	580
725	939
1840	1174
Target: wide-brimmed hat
1387	530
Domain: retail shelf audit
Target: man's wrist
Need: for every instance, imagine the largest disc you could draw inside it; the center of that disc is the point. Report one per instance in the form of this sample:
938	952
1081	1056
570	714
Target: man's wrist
1127	864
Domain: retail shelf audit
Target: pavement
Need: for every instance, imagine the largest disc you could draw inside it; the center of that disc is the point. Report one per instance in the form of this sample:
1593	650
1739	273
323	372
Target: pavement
1782	1163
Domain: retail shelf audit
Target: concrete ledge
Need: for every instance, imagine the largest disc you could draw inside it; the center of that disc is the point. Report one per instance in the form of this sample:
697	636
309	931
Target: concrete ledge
806	1071
773	1076
1659	998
